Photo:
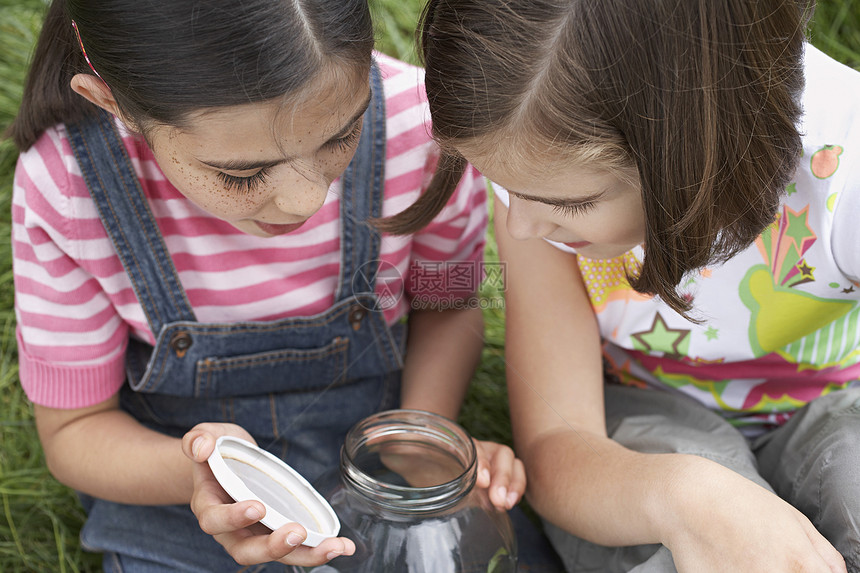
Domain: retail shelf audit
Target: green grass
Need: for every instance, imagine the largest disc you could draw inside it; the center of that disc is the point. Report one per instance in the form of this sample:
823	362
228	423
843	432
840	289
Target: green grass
41	518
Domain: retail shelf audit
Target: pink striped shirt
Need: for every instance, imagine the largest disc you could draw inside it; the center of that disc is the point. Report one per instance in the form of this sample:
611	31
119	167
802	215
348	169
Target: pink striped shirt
76	307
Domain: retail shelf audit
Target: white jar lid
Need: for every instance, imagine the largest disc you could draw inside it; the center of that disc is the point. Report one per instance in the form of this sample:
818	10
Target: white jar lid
247	472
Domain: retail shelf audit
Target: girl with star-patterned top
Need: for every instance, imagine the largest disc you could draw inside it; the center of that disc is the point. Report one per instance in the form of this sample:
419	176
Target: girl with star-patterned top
677	204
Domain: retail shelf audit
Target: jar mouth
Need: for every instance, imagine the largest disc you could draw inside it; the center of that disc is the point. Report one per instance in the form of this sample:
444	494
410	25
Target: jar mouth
410	460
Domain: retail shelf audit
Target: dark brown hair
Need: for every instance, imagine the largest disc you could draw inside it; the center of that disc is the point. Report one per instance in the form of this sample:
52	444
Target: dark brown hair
164	59
698	99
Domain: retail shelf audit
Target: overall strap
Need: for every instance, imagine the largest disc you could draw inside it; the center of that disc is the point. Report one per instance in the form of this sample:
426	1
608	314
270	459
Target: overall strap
128	220
363	185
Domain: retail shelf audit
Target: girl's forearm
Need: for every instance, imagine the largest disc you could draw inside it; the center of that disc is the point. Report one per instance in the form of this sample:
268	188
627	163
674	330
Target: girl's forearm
598	490
106	453
443	352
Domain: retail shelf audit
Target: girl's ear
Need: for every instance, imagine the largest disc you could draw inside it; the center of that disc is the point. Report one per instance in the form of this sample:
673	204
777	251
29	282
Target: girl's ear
94	90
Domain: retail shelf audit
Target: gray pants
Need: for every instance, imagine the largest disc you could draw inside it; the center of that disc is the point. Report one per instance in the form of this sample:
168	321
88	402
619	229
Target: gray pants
812	462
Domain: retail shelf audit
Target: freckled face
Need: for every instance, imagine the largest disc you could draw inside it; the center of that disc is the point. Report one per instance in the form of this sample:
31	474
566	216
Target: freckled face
593	211
265	167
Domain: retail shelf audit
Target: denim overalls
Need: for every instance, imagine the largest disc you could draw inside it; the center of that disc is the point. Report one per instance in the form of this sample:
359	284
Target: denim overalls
296	384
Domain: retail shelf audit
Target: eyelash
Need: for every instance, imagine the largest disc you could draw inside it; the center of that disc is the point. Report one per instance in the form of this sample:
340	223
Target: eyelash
243	184
347	141
250	183
574	209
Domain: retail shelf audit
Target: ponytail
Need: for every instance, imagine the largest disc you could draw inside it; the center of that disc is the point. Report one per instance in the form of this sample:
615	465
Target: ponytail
449	170
48	98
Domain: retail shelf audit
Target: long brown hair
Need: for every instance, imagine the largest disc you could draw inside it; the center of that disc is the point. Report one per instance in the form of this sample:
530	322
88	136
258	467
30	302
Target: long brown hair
163	59
699	99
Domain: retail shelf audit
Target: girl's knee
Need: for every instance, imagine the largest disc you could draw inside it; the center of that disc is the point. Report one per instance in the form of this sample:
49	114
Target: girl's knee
660	422
837	435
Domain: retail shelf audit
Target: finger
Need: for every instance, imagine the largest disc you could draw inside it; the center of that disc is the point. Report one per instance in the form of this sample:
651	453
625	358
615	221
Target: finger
221	518
312	556
501	465
284	545
198	444
834	560
483	477
210	431
517	485
215	509
207	490
271	546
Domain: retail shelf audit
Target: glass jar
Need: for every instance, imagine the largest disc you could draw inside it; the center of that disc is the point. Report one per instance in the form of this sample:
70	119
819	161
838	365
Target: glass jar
405	494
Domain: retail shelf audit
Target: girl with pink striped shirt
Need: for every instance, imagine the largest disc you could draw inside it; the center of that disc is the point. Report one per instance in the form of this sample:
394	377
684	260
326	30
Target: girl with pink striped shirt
195	255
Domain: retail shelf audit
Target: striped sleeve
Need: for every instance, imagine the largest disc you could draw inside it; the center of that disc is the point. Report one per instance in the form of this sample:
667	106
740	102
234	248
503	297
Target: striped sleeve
71	341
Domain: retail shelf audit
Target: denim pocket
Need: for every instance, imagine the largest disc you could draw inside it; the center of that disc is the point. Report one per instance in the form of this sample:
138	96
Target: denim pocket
280	371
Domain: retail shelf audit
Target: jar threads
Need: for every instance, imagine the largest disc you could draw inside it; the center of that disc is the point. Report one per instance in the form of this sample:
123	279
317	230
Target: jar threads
399	438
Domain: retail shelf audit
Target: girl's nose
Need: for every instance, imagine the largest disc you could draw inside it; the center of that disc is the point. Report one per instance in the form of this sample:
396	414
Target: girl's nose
302	196
527	220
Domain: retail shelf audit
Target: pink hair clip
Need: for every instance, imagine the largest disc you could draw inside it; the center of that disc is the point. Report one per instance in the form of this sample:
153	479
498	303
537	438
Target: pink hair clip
84	52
